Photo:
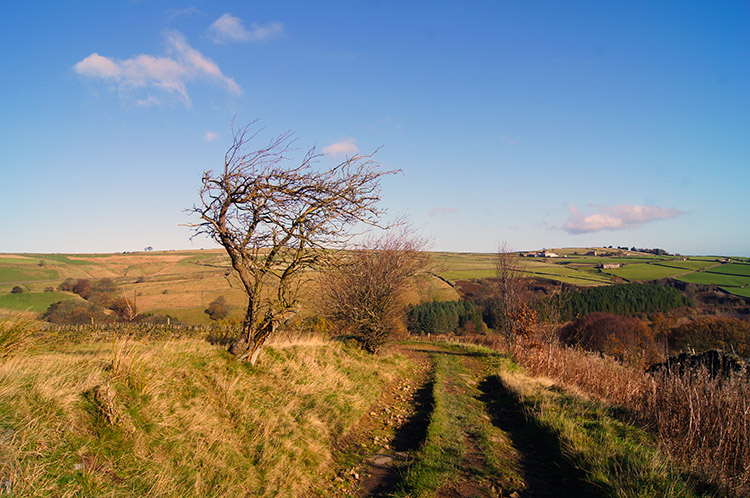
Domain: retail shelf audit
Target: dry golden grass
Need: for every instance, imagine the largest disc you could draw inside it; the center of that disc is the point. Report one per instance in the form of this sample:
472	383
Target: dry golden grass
180	282
703	422
180	418
618	458
132	259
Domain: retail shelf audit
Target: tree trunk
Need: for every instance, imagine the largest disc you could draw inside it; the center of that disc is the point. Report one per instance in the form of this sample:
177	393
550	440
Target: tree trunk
248	346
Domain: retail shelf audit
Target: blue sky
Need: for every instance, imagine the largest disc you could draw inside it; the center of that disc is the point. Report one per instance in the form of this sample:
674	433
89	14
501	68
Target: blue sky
543	124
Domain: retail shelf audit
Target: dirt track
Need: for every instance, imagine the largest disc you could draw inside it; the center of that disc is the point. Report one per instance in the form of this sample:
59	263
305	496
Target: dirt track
373	459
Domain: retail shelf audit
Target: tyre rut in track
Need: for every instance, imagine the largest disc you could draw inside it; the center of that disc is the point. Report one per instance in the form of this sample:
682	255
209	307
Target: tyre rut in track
547	472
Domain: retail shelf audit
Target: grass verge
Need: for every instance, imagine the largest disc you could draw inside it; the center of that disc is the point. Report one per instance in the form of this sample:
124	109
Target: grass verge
179	418
618	459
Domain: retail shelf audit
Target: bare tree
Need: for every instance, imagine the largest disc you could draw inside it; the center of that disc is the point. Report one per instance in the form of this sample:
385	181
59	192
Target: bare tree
275	221
550	310
508	294
364	293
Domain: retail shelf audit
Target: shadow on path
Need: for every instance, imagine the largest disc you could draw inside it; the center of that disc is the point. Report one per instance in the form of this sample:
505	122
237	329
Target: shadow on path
414	431
547	472
408	437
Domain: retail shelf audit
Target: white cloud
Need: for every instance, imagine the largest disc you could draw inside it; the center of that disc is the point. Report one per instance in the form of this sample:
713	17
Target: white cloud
344	148
228	29
198	63
97	66
210	136
169	73
618	217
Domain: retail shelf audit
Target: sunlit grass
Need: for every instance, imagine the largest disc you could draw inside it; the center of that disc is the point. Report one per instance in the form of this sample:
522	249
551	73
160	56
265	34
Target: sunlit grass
180	418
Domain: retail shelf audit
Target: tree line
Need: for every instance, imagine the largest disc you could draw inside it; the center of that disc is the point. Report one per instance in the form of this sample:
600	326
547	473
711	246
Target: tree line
446	317
622	299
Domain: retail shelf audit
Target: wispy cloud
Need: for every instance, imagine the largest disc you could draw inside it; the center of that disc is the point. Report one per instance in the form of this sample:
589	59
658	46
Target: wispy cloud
180	13
170	73
210	136
149	101
620	217
228	29
344	148
439	211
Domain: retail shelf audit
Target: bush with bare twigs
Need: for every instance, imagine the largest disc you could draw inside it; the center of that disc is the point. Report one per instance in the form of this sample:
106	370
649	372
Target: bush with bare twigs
363	294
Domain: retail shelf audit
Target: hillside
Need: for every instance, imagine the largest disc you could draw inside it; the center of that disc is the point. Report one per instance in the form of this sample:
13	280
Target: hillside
586	267
181	418
180	284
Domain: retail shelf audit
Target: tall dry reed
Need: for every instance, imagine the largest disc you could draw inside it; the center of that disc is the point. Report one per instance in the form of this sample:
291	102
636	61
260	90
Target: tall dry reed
15	333
700	420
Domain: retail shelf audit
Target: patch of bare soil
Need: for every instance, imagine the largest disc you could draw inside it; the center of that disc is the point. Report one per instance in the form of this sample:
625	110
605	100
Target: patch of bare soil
465	486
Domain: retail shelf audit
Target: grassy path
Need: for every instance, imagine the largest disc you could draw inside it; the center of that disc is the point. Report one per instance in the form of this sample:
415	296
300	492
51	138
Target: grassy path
470	424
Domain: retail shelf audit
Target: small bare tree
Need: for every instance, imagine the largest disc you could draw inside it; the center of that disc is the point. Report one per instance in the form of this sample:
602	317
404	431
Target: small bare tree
364	293
275	221
550	310
508	294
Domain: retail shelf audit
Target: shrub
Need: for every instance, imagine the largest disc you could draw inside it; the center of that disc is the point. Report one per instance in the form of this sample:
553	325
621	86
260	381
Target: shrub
104	285
67	285
217	309
625	338
82	287
363	293
74	312
712	332
123	308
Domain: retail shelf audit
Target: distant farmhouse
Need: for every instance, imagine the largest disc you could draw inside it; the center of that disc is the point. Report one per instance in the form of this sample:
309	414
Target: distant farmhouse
541	254
606	266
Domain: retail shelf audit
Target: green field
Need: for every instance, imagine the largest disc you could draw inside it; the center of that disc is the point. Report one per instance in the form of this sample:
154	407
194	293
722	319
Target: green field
588	275
583	269
38	302
738	291
712	278
25	273
182	283
742	269
688	265
645	271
